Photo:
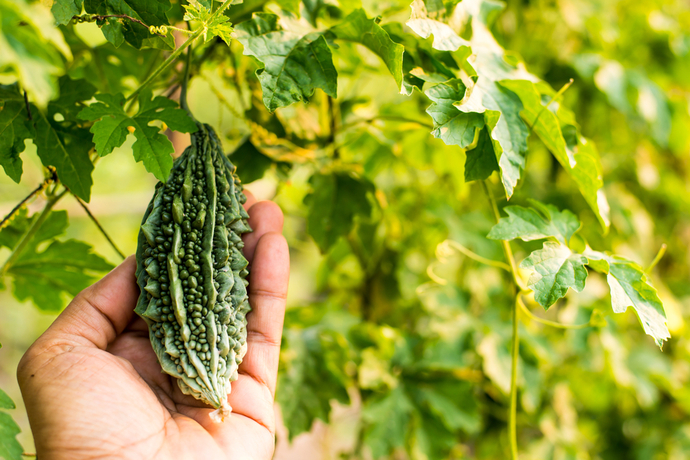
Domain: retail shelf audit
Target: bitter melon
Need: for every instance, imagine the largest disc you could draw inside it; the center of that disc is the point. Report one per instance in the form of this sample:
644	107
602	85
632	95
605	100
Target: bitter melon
192	273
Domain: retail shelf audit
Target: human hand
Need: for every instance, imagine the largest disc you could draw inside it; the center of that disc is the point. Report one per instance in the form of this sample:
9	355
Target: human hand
93	387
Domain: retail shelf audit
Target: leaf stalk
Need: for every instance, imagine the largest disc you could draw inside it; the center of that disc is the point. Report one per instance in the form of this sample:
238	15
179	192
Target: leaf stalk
100	227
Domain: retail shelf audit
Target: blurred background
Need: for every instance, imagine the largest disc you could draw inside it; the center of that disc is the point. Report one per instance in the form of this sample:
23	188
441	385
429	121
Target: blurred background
379	360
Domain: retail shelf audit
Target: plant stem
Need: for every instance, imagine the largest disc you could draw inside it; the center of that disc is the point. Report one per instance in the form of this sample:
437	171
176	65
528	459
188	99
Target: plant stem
101	17
512	422
100	227
506	245
174	55
31	231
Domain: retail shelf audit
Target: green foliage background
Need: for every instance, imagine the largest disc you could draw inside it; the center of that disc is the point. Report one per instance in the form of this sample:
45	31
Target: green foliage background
385	313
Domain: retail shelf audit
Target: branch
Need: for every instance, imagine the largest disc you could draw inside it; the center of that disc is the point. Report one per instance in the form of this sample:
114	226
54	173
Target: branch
102	17
100	227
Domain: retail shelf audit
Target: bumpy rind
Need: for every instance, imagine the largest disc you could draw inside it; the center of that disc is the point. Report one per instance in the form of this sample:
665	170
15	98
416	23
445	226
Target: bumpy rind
192	273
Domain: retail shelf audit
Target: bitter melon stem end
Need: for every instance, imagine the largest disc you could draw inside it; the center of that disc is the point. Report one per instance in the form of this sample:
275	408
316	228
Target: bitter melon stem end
219	415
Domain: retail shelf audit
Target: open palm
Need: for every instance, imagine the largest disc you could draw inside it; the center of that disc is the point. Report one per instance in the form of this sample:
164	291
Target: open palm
93	387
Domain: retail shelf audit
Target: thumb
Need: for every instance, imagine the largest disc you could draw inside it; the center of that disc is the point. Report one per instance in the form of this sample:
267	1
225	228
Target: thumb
100	312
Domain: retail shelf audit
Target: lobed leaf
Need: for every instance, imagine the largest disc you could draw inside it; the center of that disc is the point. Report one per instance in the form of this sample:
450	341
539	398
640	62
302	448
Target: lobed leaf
451	125
335	201
445	38
533	224
43	275
357	28
630	287
294	65
151	147
580	161
214	26
387	419
556	269
15	128
481	160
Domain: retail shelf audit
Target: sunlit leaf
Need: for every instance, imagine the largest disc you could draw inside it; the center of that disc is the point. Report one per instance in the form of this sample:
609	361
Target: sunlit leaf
630	287
556	269
540	221
581	161
450	124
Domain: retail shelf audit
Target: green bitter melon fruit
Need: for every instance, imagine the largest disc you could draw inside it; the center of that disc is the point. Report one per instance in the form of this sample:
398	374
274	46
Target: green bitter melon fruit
192	273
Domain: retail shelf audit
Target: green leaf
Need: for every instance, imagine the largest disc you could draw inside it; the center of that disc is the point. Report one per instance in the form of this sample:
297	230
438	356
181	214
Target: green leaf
450	124
311	376
336	200
533	224
630	287
68	151
445	38
500	108
30	49
481	161
581	161
387	420
43	275
72	93
63	144
357	28
213	26
10	449
251	163
456	407
151	147
295	65
64	10
15	128
556	268
5	401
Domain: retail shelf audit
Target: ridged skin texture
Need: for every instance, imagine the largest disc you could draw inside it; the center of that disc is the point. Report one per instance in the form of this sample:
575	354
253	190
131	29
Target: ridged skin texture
191	271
